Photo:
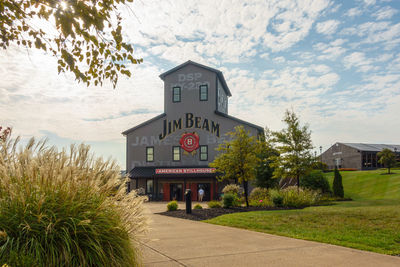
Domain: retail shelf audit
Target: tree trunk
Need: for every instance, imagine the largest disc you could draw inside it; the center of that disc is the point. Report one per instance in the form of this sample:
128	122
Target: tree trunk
388	170
245	186
298	182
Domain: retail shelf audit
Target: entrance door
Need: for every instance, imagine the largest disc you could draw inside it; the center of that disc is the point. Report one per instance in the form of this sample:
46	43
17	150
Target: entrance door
207	193
175	191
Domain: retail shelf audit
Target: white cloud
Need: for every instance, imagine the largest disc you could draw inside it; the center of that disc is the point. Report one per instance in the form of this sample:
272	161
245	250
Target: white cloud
376	32
358	60
369	2
353	12
327	27
227	30
330	51
385	13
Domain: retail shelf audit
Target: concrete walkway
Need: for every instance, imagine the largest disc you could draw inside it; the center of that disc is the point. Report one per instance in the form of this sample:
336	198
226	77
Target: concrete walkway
178	242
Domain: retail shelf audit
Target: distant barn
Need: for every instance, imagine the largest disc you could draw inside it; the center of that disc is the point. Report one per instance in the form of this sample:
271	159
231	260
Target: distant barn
356	155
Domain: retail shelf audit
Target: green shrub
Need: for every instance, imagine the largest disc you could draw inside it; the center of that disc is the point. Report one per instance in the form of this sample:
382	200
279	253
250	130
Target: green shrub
276	197
259	193
214	204
65	208
173	205
229	200
315	180
231	189
197	207
298	197
337	184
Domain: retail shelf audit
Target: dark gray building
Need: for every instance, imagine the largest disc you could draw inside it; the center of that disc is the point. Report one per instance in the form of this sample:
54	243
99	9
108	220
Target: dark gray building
171	152
356	155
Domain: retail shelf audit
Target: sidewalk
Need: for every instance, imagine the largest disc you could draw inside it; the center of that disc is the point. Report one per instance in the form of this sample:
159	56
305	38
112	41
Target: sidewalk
178	242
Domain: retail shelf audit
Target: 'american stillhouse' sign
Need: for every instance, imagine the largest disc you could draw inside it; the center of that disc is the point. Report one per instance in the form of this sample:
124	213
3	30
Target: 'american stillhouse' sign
184	171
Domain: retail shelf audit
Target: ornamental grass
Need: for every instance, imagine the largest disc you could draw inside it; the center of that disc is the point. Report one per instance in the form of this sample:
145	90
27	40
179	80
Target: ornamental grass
65	208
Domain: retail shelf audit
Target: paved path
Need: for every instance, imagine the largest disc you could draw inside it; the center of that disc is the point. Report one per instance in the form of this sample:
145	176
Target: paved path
178	242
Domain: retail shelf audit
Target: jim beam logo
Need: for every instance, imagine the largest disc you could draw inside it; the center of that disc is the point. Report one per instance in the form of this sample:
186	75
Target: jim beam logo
189	143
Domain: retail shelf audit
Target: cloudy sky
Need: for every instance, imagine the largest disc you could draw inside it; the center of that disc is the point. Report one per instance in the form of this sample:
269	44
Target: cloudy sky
336	63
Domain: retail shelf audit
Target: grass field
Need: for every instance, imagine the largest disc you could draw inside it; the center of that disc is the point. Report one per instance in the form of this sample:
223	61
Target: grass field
370	222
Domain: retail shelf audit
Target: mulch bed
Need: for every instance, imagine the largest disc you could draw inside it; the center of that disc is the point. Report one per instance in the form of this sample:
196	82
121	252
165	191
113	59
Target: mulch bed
205	214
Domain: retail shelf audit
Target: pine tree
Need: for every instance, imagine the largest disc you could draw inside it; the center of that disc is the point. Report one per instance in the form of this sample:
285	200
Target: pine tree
337	184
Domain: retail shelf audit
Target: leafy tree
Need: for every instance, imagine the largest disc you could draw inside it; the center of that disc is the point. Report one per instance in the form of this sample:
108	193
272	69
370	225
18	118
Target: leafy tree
264	171
294	146
85	41
387	158
337	184
237	159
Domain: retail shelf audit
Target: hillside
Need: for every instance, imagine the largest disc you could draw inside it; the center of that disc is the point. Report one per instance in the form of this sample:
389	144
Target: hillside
372	185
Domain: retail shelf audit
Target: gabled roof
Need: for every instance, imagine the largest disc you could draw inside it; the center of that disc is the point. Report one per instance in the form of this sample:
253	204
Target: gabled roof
218	72
372	147
144	123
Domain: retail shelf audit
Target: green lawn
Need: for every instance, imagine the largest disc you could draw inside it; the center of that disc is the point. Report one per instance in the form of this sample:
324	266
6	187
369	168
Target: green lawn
370	222
369	185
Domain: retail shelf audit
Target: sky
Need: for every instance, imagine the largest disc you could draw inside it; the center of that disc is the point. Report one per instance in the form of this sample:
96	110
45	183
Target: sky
335	63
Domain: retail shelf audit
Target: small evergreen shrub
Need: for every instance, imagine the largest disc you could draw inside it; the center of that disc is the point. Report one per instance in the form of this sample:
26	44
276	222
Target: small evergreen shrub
214	204
197	207
315	180
229	200
173	205
276	197
231	189
337	184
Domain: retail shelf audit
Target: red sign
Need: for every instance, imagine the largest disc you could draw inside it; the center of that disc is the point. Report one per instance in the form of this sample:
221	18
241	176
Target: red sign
189	142
185	171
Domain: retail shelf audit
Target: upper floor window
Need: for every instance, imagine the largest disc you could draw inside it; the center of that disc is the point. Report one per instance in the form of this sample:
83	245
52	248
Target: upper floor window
149	154
203	92
176	94
176	153
203	152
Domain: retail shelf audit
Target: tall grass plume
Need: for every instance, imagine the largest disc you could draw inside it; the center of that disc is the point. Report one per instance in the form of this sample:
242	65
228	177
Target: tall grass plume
65	208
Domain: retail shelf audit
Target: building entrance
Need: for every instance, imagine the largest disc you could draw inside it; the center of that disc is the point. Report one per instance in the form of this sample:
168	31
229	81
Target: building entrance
176	192
206	187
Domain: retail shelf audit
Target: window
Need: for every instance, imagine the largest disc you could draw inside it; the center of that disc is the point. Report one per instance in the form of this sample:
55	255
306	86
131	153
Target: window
149	154
149	186
203	152
176	153
176	94
203	92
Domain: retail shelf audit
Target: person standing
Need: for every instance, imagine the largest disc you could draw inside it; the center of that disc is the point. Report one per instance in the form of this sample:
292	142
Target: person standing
201	194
